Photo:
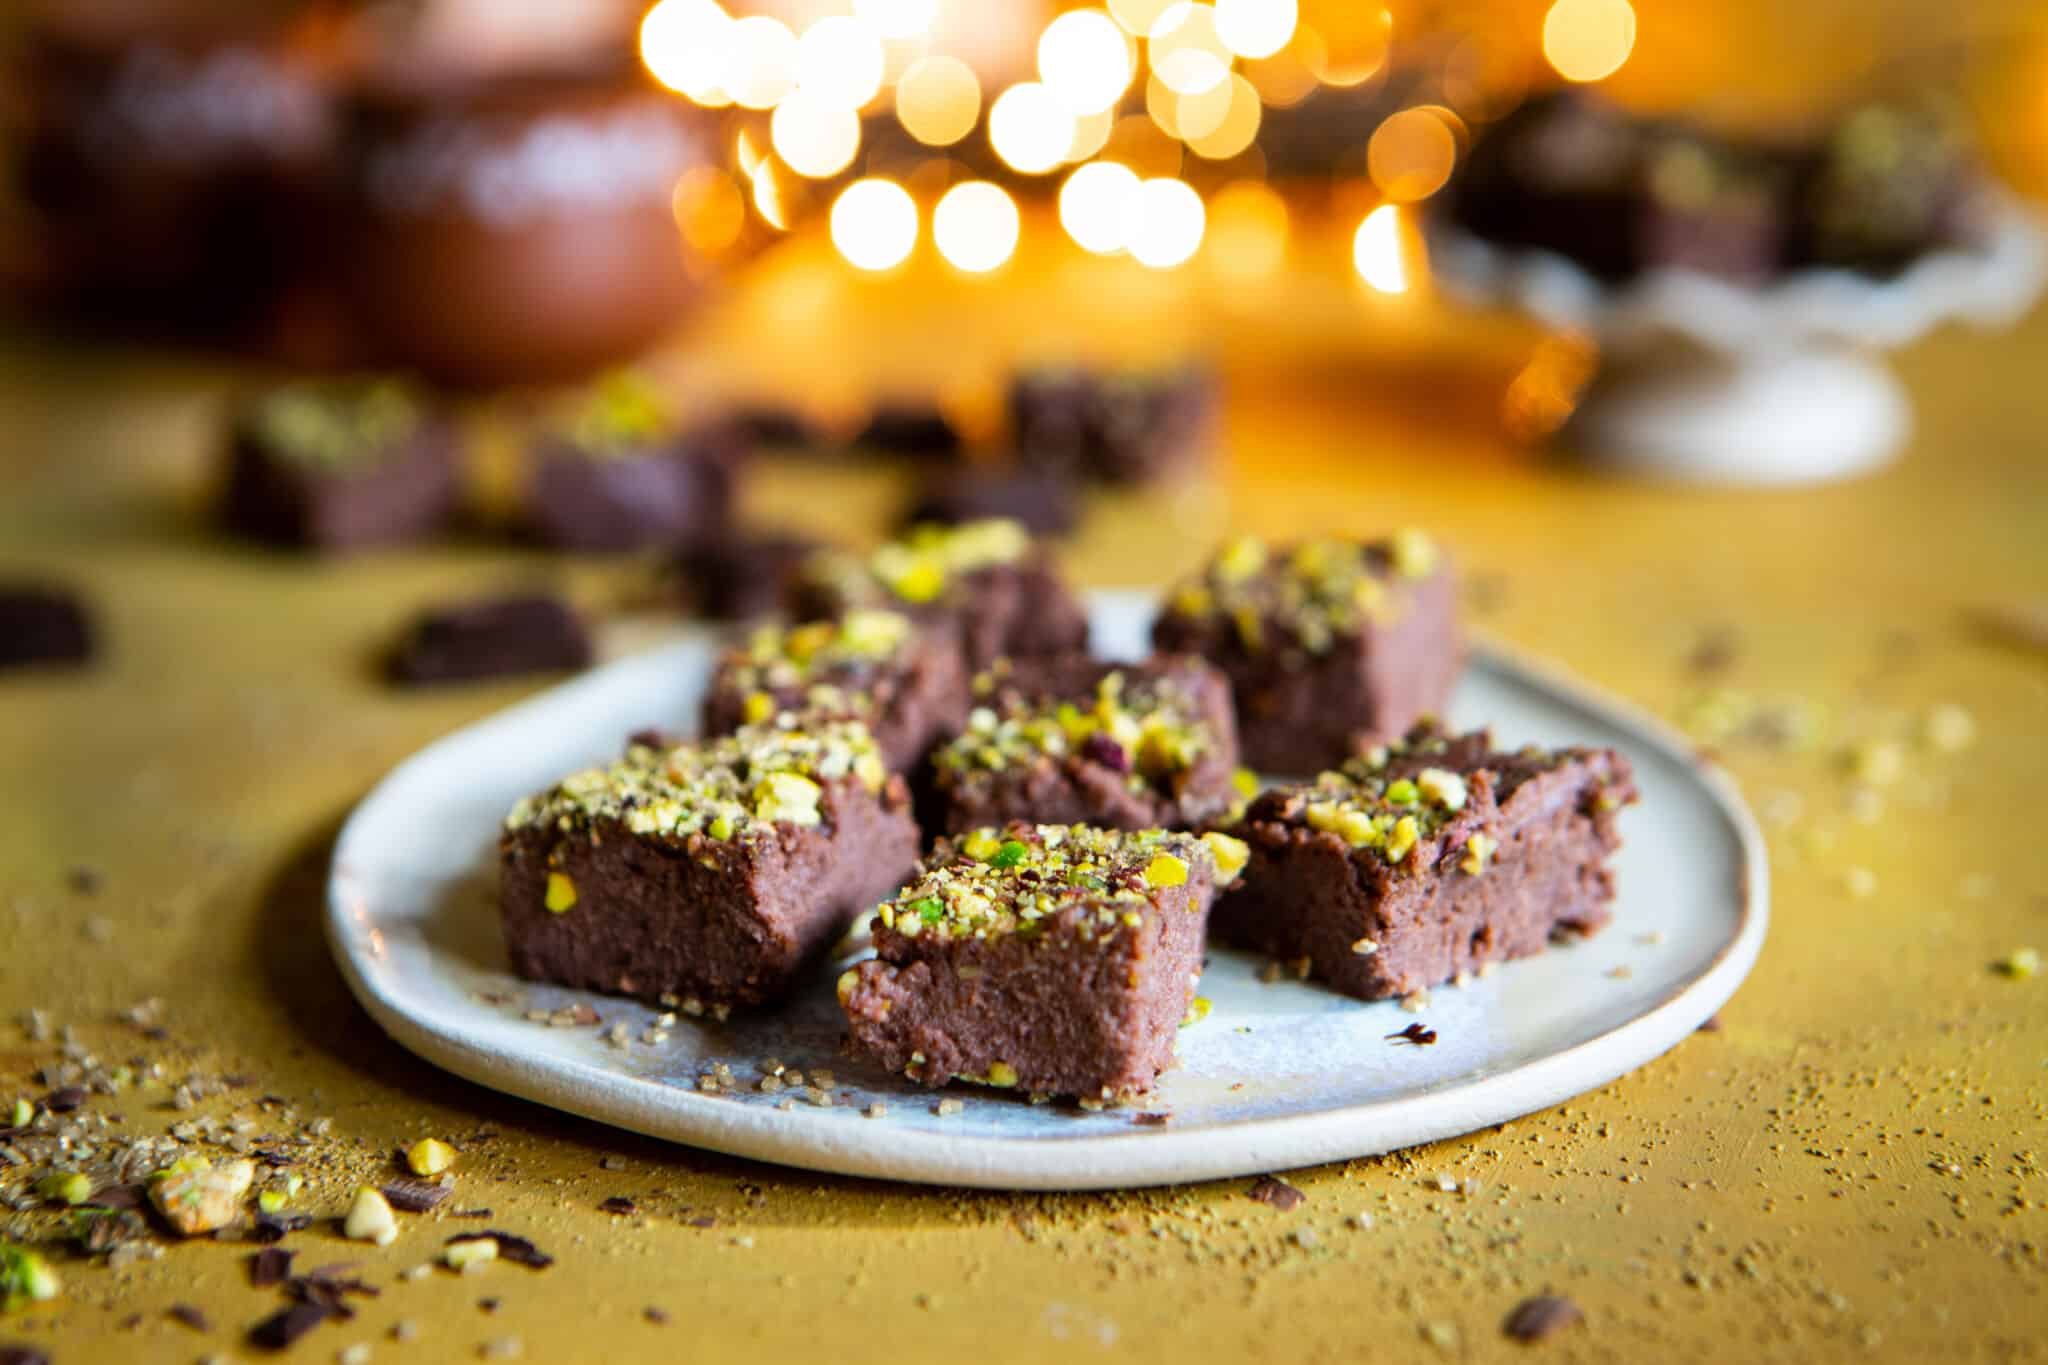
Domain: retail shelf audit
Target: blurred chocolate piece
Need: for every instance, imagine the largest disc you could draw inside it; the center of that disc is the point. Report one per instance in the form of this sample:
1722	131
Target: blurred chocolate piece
340	465
497	637
1126	426
620	473
1046	503
168	152
1619	195
1891	183
776	425
43	625
517	228
743	576
917	430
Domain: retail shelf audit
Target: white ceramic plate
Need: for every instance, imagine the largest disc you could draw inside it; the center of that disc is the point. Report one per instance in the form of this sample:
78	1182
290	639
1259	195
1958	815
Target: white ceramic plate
1279	1075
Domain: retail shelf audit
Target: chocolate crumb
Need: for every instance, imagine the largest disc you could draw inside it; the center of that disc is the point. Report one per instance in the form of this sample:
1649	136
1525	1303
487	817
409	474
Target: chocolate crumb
619	1203
13	1354
657	1316
272	1265
470	1213
85	881
272	1227
416	1196
287	1325
1418	1034
488	1305
1281	1195
65	1099
119	1197
192	1316
1712	1024
704	1221
1151	1119
1540	1317
1715	651
511	1247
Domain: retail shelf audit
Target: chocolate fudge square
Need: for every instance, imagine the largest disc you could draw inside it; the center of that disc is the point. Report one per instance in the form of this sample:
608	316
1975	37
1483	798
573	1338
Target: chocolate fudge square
1046	959
1329	644
713	874
1046	503
912	428
904	681
339	465
44	626
1076	741
619	472
492	637
988	579
1891	183
1427	859
742	575
1124	426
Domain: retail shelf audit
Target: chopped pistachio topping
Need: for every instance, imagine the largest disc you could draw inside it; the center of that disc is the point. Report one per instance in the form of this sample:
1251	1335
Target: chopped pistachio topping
1478	854
429	1156
370	1218
927	560
561	897
1315	590
1367	808
65	1187
334	425
735	787
1149	731
621	414
1230	853
993	882
25	1278
816	655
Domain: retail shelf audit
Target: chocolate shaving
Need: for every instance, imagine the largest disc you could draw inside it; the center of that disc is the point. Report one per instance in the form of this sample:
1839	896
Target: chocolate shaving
1278	1193
270	1156
488	1305
470	1213
287	1325
511	1247
65	1099
22	1355
119	1197
618	1203
1152	1119
657	1316
192	1316
704	1221
271	1227
1712	1024
272	1265
1418	1033
1540	1317
340	1277
416	1196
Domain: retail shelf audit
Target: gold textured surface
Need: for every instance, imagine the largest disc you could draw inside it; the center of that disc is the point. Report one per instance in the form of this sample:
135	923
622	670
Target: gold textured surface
1851	1168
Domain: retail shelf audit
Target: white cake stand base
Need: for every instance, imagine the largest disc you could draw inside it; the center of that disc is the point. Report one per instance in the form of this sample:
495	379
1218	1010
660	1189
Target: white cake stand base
1789	416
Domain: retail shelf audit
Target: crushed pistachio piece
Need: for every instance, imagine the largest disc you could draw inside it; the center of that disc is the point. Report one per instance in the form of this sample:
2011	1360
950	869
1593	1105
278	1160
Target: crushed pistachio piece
561	897
1413	552
1002	1074
273	1201
429	1156
1166	870
65	1187
2021	964
196	1196
22	1114
470	1255
25	1278
1309	594
1240	559
621	413
848	979
758	707
1150	731
1365	947
1402	841
1245	783
1879	763
1231	854
370	1218
335	425
1479	849
1441	787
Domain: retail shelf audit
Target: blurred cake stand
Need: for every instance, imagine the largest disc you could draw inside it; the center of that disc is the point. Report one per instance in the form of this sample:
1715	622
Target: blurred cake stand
1706	381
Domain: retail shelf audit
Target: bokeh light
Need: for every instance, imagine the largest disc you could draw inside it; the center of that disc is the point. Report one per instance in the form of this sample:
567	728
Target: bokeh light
1091	135
1588	40
1186	52
1086	60
1099	206
1411	155
710	210
1138	142
1182	116
1256	28
938	100
817	139
686	45
760	62
976	226
1248	231
1138	16
1352	43
839	62
1233	132
1377	253
1288	77
1169	221
1030	129
899	19
874	224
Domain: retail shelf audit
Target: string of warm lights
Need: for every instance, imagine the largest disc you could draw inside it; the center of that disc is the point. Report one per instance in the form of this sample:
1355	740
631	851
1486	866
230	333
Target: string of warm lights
1122	94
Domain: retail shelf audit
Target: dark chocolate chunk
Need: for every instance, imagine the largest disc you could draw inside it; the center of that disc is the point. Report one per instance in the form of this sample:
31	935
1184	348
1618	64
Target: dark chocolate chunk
83	881
1119	426
272	1265
1046	503
744	575
657	1316
903	427
470	1213
1152	1118
1281	1195
192	1316
15	1353
119	1197
64	1099
43	626
619	1203
1544	1315
622	473
272	1227
488	1304
497	637
284	1327
416	1196
511	1247
97	1231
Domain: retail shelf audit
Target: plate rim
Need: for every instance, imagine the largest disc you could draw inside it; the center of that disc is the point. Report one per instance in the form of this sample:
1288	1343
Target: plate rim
1142	1156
